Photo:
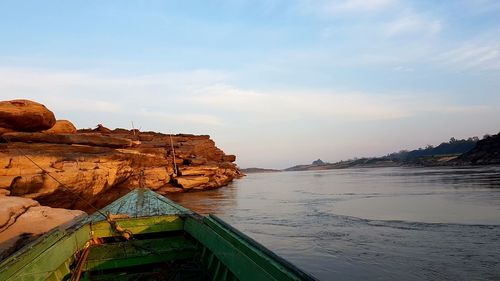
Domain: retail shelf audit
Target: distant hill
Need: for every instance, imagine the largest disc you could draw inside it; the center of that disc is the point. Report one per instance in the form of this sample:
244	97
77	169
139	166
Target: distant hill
453	147
486	152
258	170
446	153
318	162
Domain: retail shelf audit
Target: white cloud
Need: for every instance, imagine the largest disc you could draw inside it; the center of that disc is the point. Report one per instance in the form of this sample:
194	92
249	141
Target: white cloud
87	92
321	105
203	119
205	98
482	56
408	25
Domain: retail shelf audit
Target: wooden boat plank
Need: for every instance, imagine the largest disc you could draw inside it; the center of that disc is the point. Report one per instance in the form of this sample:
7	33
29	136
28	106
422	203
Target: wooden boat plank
139	205
120	206
140	225
128	205
139	252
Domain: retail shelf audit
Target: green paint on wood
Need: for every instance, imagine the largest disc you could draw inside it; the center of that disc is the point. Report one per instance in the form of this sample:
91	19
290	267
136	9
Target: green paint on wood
141	202
243	267
275	265
245	258
140	225
139	252
47	256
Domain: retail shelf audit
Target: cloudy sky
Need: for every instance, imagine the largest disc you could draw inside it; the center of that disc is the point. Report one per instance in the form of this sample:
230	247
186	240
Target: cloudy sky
276	82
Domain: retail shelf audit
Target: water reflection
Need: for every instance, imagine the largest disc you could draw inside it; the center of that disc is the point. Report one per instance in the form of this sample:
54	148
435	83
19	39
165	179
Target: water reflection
208	202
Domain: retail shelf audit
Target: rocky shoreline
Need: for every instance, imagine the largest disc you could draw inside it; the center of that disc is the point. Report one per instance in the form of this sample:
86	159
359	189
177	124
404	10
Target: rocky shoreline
98	165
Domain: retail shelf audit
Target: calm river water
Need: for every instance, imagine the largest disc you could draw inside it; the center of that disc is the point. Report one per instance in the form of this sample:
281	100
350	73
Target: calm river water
370	224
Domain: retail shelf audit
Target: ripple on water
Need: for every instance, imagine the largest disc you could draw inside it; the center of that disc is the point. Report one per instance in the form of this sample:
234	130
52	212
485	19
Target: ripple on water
371	224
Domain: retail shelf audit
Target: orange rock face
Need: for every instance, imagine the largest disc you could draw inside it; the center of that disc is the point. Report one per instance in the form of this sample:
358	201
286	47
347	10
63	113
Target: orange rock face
84	139
89	169
101	165
25	116
23	219
62	127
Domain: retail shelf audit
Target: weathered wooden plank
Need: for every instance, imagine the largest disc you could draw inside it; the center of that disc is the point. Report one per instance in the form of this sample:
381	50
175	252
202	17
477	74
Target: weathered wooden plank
134	204
139	252
140	225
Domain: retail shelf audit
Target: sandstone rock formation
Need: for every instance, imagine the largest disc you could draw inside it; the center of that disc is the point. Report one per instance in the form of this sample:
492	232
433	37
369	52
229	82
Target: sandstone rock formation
101	165
22	219
62	127
25	116
56	165
85	139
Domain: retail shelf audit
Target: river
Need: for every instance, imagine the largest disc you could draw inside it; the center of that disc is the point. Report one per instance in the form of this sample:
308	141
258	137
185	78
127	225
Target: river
372	223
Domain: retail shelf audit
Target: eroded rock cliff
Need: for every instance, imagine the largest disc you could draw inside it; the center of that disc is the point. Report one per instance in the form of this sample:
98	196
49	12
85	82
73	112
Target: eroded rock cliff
47	165
100	165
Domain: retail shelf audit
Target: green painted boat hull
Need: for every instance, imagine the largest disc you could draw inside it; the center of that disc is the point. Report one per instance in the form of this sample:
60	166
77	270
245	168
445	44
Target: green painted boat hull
169	242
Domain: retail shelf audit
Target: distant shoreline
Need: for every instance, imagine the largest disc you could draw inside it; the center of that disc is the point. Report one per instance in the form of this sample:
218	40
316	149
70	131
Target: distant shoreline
259	170
455	153
317	168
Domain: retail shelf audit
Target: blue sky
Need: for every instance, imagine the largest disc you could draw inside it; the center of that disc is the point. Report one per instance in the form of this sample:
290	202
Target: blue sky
276	82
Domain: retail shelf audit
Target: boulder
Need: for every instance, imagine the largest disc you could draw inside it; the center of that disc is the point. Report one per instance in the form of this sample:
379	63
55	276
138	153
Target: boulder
25	116
11	208
62	127
21	216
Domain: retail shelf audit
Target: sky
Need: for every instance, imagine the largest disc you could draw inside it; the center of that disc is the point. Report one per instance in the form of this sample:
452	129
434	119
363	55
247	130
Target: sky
275	82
